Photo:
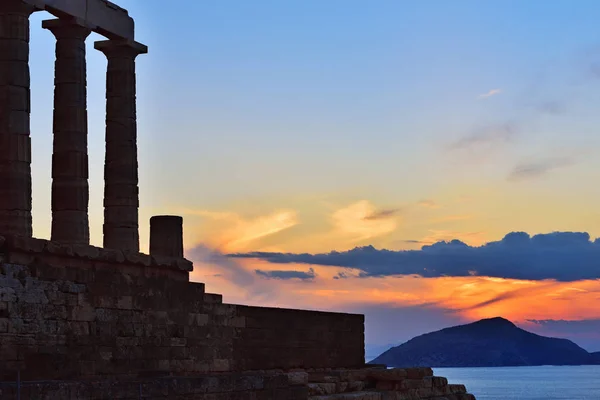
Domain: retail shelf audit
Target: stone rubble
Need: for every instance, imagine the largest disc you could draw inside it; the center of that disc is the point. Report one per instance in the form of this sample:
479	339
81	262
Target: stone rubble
383	384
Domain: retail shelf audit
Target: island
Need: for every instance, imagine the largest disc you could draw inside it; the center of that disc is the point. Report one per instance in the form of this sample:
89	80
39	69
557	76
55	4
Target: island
493	342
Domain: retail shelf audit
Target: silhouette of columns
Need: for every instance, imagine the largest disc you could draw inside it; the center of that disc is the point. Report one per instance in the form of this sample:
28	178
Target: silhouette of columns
121	192
70	191
15	140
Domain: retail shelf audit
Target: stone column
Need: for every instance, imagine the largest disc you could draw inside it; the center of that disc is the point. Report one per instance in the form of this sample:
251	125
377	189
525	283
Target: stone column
15	140
166	236
121	193
70	191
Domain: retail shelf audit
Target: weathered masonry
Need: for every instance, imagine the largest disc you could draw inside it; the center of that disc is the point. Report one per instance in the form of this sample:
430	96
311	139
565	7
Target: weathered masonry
83	322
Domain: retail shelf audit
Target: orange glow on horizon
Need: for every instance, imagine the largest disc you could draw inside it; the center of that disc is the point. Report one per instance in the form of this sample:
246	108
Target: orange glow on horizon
472	297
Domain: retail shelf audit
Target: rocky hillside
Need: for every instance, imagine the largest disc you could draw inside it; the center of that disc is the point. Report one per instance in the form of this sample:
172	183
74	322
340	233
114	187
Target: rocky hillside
491	342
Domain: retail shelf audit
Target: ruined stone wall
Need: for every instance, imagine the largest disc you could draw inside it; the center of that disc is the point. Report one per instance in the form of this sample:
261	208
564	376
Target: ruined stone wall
281	338
230	386
367	383
79	312
379	383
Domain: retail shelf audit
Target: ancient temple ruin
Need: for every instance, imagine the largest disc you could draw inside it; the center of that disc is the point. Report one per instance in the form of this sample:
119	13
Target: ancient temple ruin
82	322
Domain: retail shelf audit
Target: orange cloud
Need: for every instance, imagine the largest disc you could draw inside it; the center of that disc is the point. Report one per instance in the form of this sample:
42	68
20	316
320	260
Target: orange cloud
231	232
451	218
428	203
470	238
357	223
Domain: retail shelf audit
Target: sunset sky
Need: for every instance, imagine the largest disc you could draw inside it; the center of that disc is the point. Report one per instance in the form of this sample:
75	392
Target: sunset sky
311	127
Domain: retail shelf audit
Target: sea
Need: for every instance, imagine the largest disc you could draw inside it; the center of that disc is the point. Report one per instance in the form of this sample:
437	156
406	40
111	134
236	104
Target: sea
528	383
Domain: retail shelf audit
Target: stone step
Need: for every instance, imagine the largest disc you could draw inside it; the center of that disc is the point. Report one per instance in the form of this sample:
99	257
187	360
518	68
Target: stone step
329	388
411	395
213	298
350	396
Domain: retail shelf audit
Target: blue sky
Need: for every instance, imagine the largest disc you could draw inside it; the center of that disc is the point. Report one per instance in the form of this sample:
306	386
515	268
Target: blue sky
379	88
287	125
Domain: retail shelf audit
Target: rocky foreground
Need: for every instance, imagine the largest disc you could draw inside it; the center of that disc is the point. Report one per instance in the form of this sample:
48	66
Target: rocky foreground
379	383
371	383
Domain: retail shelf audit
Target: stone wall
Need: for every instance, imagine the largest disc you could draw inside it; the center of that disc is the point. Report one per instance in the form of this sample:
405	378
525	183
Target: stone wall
231	386
281	338
369	383
80	312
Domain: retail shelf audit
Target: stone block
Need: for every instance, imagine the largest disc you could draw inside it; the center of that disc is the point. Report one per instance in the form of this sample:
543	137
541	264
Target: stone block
55	312
237	322
8	294
327	377
297	378
71	287
320	389
457	389
418	373
82	313
112	255
395	374
196	319
25	244
124	302
402	396
438	381
211	298
390	385
341	387
220	365
178	342
356	386
4	309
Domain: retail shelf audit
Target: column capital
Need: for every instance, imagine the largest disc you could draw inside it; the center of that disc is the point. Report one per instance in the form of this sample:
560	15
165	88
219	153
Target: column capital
121	48
67	28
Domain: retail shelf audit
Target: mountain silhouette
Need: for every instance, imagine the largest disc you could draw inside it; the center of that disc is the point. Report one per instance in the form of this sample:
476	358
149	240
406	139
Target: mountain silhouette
493	342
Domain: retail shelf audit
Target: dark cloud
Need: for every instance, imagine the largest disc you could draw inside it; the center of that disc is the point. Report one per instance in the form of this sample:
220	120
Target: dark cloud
582	325
563	256
585	332
348	273
493	300
285	275
523	292
341	275
231	270
539	168
383	214
492	134
239	275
